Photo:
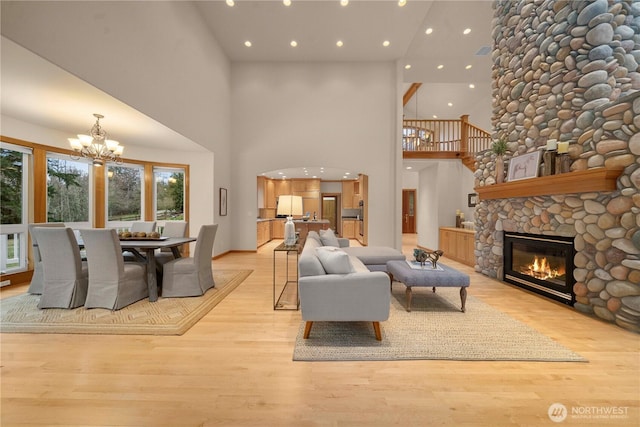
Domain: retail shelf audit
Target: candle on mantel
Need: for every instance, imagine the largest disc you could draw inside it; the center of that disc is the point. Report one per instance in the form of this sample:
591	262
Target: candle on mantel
563	147
552	144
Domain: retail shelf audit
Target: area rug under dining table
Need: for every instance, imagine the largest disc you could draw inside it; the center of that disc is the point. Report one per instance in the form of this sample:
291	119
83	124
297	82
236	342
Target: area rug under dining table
167	316
434	329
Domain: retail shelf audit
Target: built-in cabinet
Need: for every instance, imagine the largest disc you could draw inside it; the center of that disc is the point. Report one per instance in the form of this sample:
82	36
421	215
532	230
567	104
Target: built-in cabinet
351	194
458	244
349	228
263	232
277	228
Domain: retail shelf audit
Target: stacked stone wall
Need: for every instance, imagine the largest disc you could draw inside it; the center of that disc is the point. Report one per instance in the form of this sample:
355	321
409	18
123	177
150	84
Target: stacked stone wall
568	70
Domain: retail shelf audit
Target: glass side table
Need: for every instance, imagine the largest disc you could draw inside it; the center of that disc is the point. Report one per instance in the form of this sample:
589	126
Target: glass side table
288	298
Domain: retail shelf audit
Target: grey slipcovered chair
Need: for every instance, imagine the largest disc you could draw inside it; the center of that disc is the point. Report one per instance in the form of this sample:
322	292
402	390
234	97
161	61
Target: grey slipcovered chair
37	280
171	229
137	227
146	226
113	284
65	275
193	276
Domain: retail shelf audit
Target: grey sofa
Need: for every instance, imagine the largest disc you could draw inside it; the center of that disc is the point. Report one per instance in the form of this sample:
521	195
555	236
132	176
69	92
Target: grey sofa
346	291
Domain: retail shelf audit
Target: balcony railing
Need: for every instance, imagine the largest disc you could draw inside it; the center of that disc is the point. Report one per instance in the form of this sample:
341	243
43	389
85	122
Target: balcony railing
443	138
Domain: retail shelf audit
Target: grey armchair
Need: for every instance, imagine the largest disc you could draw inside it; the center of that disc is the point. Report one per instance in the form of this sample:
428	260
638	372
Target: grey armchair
193	276
113	284
171	229
65	275
143	226
37	280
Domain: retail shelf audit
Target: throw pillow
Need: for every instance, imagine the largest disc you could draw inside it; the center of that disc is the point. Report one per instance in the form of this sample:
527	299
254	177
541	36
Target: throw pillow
314	235
334	260
329	238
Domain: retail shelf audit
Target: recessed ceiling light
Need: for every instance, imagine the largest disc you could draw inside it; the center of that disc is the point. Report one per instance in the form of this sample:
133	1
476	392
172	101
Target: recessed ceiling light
409	167
429	30
344	2
407	67
386	43
440	67
450	104
347	173
230	3
293	43
466	31
280	173
472	86
435	117
247	43
468	67
339	43
402	2
286	2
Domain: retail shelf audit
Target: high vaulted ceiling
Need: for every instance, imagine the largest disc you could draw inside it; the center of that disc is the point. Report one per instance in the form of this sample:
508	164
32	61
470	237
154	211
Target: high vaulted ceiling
316	26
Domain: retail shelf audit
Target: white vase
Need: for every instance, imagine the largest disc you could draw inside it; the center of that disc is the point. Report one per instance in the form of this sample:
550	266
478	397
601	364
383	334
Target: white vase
289	232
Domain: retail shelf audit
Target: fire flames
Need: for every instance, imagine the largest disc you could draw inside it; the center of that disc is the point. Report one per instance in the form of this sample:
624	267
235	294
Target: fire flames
541	269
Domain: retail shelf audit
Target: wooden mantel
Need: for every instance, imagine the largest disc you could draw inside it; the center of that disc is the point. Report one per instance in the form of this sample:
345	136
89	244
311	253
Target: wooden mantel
597	179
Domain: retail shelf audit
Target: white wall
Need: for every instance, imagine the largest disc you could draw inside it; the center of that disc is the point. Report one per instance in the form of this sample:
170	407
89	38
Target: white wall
158	57
314	114
442	187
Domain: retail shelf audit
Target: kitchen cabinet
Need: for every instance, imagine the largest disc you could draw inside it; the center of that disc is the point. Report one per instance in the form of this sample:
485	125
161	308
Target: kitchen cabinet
269	194
277	228
458	244
347	195
263	232
349	228
281	187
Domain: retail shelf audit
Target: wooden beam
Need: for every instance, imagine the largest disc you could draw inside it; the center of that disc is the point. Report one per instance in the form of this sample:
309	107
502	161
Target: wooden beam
409	93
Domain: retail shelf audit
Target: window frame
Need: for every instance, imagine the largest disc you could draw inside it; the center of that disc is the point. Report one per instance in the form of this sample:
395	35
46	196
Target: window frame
91	201
169	169
124	224
21	230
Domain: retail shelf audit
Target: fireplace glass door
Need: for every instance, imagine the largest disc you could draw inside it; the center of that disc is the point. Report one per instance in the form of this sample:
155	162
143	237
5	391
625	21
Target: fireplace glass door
542	264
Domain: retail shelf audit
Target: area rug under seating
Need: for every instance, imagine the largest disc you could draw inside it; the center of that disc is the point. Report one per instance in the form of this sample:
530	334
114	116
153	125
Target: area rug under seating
434	329
167	316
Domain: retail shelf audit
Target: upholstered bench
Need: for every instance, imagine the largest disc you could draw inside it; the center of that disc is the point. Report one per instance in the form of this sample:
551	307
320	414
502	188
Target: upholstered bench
444	276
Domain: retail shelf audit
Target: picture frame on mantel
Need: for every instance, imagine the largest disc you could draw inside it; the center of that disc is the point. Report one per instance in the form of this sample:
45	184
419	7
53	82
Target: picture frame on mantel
223	201
524	166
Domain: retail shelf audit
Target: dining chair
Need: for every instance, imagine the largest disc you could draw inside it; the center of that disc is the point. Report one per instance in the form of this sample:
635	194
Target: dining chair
143	226
37	280
113	284
171	229
65	275
193	276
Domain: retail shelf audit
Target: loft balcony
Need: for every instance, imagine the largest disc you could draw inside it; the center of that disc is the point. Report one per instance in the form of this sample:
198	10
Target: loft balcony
444	139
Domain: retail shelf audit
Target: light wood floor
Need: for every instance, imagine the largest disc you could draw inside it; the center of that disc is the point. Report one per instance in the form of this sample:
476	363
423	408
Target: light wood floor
234	368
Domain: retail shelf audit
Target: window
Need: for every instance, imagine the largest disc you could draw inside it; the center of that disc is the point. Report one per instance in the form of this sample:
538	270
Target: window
68	191
125	194
14	173
169	195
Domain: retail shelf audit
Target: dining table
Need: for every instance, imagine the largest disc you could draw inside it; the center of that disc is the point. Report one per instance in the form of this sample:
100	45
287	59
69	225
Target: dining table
145	249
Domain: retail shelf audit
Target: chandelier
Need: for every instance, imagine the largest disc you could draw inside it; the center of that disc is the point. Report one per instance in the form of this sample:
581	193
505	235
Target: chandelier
96	146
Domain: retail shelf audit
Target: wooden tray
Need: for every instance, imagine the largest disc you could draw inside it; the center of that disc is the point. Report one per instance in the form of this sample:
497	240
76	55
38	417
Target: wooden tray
143	238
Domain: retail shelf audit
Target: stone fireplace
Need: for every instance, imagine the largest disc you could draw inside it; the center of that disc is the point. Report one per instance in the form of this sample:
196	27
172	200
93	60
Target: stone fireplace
542	264
569	71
